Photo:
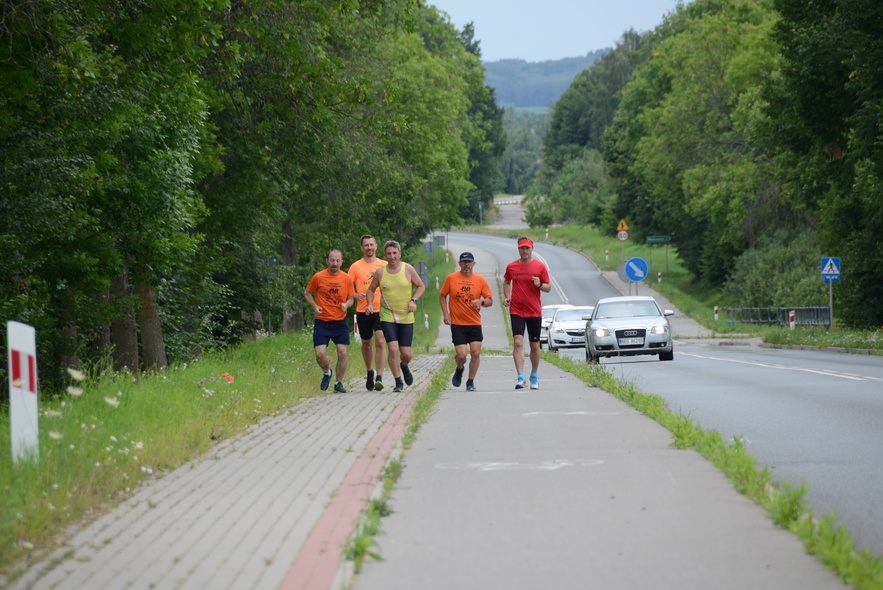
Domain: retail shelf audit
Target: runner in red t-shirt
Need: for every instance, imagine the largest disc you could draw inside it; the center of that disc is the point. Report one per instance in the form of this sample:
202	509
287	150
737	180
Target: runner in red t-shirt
523	283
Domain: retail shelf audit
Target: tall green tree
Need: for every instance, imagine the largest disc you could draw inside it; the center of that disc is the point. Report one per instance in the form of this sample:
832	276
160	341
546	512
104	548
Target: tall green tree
826	110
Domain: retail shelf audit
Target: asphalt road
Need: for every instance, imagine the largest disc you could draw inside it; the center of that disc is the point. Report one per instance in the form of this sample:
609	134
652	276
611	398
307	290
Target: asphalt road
808	416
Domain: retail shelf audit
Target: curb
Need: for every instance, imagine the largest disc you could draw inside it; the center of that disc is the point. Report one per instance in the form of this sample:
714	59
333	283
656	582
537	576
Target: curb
320	563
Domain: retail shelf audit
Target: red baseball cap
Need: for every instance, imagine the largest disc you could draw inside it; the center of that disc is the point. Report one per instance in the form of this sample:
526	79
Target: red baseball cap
525	242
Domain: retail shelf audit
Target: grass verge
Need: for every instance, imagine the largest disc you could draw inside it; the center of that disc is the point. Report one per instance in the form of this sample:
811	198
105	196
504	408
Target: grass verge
108	434
362	543
830	543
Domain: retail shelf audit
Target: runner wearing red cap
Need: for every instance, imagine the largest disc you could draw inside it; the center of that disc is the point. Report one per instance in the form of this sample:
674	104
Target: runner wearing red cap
523	283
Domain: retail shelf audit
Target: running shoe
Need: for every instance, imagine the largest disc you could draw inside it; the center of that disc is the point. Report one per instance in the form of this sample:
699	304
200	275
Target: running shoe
378	384
406	373
534	382
397	388
470	386
326	380
457	379
520	384
369	382
339	388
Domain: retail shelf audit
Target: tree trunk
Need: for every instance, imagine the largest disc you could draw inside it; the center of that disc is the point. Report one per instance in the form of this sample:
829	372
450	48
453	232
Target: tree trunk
254	321
123	329
152	344
69	333
293	312
100	345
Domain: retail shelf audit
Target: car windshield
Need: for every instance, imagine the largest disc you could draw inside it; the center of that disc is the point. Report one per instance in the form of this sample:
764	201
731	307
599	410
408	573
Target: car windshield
627	309
569	315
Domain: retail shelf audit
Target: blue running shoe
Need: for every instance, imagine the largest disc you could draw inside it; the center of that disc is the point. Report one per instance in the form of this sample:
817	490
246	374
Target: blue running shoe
339	388
326	380
457	379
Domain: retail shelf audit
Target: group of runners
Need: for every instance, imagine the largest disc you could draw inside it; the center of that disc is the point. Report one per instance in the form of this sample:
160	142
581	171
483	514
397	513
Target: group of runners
386	293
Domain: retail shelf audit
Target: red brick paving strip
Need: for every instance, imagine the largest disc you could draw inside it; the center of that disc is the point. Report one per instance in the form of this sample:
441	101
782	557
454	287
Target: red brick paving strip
322	553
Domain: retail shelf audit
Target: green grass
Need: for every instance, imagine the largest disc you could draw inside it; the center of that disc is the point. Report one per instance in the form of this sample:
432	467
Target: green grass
96	447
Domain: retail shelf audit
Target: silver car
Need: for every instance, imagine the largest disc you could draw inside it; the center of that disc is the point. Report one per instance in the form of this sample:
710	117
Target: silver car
568	327
548	312
626	326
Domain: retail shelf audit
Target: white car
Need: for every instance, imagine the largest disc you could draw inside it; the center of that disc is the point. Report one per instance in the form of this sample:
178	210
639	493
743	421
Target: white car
548	312
627	326
568	327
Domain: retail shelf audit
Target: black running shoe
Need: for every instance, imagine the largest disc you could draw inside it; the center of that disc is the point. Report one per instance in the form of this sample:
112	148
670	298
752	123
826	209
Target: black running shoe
369	382
406	373
326	380
378	384
457	379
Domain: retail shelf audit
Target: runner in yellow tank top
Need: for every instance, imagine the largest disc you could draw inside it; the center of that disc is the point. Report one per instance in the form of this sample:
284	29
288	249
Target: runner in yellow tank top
400	288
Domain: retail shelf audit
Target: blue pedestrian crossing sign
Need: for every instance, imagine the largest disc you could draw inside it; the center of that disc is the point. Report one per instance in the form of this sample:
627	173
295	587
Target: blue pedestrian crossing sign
830	269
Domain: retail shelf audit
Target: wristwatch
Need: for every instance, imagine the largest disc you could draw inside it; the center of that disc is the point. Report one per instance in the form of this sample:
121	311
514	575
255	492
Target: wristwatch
414	300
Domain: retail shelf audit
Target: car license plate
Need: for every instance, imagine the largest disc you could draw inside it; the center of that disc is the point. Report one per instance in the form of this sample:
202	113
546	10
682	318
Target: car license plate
630	341
577	340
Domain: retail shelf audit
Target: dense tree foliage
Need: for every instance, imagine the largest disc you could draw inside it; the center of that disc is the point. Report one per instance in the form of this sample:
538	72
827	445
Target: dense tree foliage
156	156
572	144
524	138
825	107
735	127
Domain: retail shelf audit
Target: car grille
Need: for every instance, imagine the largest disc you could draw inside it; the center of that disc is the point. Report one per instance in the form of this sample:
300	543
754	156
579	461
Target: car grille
575	332
631	333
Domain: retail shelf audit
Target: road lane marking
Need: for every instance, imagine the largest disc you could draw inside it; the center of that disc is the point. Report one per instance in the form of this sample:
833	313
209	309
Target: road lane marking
552	280
825	372
530	414
551	465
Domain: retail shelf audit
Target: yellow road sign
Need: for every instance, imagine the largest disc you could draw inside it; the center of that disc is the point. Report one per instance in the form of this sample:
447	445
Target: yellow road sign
623	226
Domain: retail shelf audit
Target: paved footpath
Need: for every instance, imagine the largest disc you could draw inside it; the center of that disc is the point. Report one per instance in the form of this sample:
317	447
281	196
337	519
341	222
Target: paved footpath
240	517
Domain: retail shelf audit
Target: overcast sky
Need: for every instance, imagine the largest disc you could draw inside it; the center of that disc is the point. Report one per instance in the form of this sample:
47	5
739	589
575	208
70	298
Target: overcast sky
551	29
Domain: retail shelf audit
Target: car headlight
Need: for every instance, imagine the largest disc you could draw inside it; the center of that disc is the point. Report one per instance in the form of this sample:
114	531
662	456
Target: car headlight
659	329
601	332
558	330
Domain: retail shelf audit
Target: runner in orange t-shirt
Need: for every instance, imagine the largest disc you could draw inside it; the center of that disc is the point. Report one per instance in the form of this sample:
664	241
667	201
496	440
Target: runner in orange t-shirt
468	293
362	271
330	293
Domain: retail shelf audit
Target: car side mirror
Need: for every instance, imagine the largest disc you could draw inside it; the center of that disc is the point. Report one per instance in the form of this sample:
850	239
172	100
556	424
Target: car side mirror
668	312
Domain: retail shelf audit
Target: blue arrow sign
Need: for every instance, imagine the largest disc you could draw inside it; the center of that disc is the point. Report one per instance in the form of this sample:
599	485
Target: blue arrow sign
830	268
636	269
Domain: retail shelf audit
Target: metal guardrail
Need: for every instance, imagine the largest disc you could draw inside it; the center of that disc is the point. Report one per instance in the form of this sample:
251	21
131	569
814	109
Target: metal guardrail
803	316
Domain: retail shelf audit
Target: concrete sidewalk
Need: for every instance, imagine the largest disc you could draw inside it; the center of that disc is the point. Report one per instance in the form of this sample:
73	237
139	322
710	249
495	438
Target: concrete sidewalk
567	487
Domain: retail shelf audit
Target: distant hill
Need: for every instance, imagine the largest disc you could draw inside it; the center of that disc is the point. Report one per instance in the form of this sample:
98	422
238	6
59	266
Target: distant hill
520	83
